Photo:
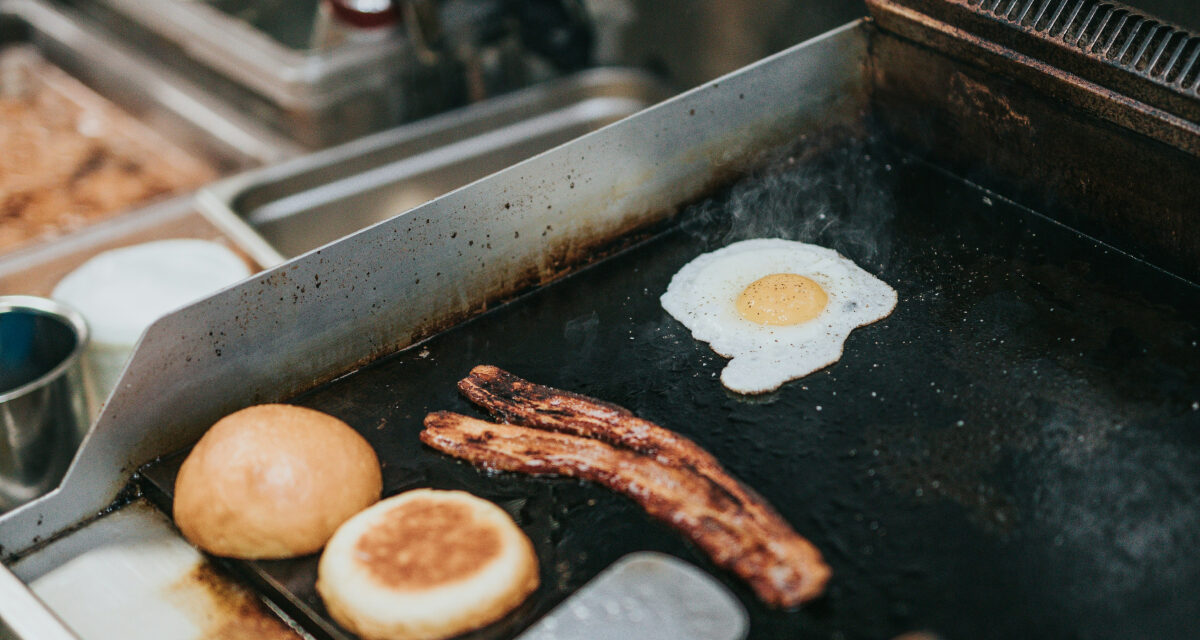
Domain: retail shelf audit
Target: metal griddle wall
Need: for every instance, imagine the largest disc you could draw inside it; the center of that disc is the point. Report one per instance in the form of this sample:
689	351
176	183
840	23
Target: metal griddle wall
1014	453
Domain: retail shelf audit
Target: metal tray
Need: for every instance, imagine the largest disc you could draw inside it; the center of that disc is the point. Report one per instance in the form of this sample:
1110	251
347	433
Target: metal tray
36	270
318	95
314	200
170	107
179	110
1090	461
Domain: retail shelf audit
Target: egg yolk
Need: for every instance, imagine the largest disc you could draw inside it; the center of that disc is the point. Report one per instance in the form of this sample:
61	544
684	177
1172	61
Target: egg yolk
782	299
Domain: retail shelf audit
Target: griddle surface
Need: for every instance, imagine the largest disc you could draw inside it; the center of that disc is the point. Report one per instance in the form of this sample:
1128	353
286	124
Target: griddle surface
1013	453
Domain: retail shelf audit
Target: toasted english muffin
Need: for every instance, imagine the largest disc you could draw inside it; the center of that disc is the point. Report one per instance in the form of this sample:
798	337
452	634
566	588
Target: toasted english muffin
425	565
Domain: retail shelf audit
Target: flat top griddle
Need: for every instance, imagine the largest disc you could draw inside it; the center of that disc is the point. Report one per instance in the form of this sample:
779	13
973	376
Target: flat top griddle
1013	453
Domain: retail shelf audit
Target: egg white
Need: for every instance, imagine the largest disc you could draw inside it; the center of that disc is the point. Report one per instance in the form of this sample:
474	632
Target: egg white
703	294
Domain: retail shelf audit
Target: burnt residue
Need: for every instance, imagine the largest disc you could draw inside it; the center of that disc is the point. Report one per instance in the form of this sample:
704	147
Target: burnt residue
225	609
1013	453
1095	157
1135	63
558	260
131	492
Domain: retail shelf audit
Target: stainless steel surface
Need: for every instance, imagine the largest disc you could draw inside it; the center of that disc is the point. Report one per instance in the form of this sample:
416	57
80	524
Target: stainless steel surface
180	111
36	269
319	198
331	96
317	96
32	620
646	595
131	575
244	238
43	413
693	41
288	75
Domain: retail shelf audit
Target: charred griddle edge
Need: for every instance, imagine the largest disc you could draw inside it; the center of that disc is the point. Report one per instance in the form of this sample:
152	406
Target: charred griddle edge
1081	110
1139	72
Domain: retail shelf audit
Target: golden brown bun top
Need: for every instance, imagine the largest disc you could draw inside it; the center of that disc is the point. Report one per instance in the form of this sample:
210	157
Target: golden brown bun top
426	543
274	481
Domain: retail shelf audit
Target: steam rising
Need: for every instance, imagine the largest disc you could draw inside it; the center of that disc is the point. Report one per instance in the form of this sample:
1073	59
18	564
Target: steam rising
839	198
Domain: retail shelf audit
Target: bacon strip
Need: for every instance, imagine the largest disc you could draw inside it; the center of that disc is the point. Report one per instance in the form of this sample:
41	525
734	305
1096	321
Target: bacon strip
671	477
515	400
512	399
782	572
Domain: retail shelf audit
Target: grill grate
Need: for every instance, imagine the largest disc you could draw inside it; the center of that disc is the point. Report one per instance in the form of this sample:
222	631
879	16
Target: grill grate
1112	32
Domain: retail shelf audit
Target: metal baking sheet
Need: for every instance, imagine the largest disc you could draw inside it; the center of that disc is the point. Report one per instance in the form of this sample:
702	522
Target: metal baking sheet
1012	453
328	93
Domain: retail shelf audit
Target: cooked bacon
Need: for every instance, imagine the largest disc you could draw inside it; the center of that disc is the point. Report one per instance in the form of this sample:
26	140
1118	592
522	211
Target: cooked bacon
512	399
515	400
671	477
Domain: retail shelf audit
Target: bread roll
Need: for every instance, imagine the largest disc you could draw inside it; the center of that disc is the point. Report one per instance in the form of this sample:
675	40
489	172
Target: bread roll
273	481
426	565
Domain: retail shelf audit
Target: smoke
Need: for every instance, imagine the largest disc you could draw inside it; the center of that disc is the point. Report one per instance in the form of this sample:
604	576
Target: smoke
838	197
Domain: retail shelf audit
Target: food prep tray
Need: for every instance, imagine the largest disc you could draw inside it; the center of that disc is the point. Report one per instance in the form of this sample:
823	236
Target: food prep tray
177	109
316	199
1012	453
218	140
318	94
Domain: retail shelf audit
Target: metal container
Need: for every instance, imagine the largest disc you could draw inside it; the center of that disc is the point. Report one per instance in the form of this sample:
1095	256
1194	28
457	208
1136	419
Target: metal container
176	108
43	413
164	105
35	270
269	62
694	41
314	93
313	200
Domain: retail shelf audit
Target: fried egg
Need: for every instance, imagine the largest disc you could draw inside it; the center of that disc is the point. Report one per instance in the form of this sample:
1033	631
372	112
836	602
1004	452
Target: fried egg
780	309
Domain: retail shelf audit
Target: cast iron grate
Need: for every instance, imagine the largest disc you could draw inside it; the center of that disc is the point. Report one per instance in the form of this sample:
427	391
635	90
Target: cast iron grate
1111	32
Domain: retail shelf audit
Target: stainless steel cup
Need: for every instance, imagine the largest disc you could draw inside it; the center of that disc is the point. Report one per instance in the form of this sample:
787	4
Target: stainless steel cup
43	413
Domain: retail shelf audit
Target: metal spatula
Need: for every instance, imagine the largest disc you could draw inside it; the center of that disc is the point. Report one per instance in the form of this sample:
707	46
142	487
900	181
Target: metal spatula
646	595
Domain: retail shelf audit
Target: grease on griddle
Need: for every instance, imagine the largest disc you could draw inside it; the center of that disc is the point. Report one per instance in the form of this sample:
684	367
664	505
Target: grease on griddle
227	610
